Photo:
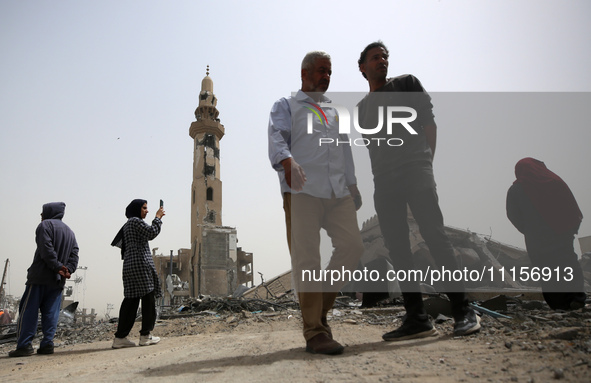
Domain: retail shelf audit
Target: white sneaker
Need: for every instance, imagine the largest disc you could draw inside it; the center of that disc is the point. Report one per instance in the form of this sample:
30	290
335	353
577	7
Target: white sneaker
122	342
148	340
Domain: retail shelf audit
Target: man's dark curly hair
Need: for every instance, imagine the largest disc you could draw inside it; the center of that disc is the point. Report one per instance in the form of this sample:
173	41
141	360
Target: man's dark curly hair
363	55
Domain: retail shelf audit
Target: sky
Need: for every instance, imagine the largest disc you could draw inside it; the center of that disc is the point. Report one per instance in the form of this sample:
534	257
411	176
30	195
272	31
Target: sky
96	101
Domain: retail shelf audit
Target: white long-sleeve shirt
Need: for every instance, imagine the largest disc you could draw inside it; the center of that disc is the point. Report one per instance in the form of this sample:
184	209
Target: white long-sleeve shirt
329	166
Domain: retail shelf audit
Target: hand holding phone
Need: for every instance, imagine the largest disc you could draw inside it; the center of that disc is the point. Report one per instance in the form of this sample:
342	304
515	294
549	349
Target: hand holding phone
160	213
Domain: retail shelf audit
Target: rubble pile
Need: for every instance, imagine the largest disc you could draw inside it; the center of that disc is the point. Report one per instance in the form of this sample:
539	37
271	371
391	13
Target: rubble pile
522	325
7	333
542	329
79	333
232	305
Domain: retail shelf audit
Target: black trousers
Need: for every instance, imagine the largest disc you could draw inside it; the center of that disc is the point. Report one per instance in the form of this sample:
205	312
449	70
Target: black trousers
391	207
128	313
557	255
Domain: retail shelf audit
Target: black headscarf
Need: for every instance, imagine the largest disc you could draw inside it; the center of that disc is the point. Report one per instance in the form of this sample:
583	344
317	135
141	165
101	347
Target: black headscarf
134	209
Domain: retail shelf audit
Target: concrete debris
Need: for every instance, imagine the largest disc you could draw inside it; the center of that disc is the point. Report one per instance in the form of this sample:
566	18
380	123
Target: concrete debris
558	373
442	319
568	333
227	305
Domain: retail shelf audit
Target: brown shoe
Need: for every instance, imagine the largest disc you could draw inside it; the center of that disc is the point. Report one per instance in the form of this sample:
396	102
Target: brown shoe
322	344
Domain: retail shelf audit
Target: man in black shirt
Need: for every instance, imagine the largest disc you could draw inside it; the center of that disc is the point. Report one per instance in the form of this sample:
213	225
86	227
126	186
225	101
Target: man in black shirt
401	156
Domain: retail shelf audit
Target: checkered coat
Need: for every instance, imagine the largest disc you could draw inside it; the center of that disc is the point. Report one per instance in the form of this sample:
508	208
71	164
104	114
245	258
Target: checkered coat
139	272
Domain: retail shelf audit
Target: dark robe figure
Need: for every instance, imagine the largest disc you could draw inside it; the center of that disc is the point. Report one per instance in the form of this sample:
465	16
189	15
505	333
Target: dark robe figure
542	207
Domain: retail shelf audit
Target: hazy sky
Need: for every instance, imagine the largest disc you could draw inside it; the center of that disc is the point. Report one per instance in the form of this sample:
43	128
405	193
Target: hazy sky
96	100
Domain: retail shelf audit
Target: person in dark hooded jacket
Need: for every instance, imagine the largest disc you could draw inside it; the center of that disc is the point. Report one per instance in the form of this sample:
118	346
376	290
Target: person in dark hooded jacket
56	258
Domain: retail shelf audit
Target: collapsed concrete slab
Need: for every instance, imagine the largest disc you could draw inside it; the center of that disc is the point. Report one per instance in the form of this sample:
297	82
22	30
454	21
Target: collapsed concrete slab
473	251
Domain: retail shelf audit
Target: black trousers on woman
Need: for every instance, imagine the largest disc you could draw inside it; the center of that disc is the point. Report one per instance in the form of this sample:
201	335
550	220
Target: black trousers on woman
128	313
555	255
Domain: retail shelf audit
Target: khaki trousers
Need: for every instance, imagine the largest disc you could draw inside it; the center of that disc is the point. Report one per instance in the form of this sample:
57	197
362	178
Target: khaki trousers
305	216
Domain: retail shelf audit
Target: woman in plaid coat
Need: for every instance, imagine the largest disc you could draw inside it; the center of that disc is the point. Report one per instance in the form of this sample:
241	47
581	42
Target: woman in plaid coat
140	280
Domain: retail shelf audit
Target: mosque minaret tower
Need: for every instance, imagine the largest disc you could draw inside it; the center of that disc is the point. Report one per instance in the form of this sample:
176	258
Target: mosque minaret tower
206	189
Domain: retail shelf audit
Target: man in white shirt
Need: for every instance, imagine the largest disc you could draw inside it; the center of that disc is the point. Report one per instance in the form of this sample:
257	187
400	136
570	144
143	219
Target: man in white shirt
319	189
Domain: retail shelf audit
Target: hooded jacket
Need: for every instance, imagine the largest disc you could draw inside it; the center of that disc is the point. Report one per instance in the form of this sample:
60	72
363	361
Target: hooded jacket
56	247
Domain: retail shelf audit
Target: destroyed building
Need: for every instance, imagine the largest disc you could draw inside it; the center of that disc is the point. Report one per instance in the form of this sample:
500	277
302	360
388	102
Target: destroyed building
214	265
473	250
175	273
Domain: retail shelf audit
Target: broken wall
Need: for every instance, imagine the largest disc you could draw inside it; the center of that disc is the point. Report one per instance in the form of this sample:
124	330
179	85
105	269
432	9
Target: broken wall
218	274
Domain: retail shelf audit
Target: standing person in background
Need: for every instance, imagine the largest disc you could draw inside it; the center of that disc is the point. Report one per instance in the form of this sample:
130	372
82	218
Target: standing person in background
56	258
542	207
140	279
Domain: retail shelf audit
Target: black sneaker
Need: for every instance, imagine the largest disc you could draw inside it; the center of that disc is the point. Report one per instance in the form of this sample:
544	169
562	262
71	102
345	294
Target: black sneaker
469	324
411	329
26	351
45	350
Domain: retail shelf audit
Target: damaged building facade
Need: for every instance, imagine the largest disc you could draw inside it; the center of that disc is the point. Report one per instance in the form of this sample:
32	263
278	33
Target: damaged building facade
215	265
472	250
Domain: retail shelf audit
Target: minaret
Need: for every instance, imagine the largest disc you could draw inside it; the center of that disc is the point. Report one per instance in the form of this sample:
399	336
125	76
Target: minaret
206	190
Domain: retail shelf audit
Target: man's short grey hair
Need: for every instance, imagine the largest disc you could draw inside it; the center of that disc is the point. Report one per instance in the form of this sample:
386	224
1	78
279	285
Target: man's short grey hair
311	57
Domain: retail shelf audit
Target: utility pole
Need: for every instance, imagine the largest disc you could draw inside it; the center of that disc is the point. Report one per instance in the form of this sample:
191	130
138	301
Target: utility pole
2	289
109	308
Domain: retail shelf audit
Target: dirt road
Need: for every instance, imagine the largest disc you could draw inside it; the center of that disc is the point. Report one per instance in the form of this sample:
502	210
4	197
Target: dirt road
271	349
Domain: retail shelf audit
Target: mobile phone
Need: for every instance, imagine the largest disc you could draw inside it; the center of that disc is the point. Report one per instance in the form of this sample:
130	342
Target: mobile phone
161	203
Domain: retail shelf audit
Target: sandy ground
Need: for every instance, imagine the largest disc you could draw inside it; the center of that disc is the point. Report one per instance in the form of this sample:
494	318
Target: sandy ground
246	348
